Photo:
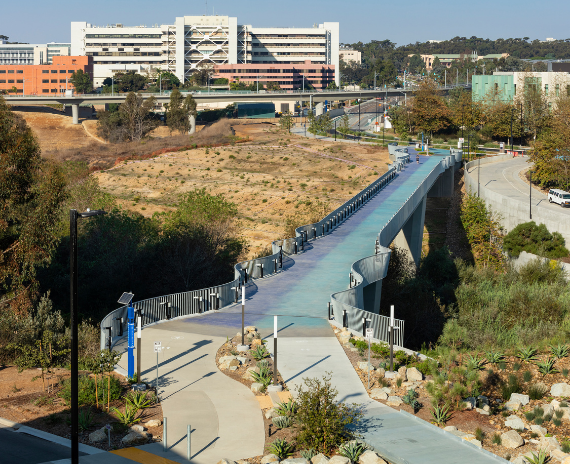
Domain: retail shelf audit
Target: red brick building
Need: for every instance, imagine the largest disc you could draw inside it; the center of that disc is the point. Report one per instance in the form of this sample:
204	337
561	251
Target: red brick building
43	79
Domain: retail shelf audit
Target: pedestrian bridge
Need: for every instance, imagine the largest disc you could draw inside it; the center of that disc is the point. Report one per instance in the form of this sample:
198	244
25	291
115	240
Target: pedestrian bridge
339	261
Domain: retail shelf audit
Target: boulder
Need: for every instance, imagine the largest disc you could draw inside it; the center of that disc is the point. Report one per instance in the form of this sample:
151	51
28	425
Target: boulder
450	428
339	460
558	455
482	400
98	436
520	460
153	423
512	406
137	428
538	429
474	441
394	401
390	375
470	403
233	368
511	439
295	461
370	457
248	373
381	371
135	437
269	458
319	459
414	375
560	389
522	399
256	342
226	461
549	444
482	412
387	390
378	394
224	359
242	359
403	373
256	387
548	409
250	328
234	363
514	422
364	366
270	414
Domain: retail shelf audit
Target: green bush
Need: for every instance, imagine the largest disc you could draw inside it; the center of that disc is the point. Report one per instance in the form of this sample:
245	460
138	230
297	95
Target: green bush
321	421
87	390
535	239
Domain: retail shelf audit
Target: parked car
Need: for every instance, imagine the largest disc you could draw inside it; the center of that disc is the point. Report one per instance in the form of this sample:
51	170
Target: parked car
559	196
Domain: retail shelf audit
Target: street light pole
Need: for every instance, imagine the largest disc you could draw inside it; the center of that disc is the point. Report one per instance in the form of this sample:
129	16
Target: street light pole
73	216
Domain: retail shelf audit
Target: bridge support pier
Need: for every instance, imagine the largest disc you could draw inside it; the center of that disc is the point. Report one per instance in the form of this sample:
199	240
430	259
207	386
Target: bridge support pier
192	120
443	186
411	236
75	113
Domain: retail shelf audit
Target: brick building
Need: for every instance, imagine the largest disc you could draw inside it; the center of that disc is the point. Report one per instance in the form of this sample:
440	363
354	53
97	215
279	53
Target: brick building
43	79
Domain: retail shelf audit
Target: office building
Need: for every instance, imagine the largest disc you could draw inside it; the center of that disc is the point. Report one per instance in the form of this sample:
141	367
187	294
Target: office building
447	59
20	53
507	86
347	55
193	42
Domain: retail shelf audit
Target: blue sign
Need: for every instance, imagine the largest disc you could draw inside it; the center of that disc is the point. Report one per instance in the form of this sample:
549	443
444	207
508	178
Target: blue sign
131	340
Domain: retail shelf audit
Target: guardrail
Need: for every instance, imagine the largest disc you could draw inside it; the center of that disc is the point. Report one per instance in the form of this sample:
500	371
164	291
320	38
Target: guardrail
166	307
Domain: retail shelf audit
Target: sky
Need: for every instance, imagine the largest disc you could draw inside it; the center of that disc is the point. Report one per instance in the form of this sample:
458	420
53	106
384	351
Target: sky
402	22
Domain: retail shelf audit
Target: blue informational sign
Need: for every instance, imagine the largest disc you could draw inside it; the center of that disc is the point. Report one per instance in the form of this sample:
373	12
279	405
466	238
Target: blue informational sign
131	340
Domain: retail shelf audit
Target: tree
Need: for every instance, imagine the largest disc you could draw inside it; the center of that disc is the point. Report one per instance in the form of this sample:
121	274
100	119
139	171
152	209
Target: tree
32	191
178	112
201	75
286	120
430	112
272	86
129	81
332	86
81	81
417	65
167	80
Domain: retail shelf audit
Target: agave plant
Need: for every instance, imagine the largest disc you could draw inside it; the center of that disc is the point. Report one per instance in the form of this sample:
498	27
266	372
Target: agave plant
494	357
409	397
440	414
541	458
546	366
138	400
282	422
475	363
264	374
352	450
286	409
308	454
559	351
281	448
259	353
527	353
128	417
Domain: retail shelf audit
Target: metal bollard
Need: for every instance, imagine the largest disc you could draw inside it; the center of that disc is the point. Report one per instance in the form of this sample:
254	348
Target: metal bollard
164	437
295	251
329	310
189	441
344	321
364	327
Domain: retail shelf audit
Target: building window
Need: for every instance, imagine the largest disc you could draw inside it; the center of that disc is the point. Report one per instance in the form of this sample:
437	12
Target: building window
45	71
20	81
2	81
62	81
62	71
45	81
10	71
53	90
54	71
54	81
2	71
10	81
45	90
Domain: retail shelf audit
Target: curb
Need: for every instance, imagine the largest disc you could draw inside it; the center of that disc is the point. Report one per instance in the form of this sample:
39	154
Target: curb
18	428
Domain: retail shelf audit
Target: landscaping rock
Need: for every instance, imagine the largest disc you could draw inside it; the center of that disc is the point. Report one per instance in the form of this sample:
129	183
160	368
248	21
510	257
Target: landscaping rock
370	457
519	460
450	428
482	400
387	390
390	375
256	342
402	373
549	444
242	359
482	412
394	401
250	328
248	373
474	441
233	368
378	394
269	459
514	422
459	433
558	455
234	363
256	387
470	403
511	439
137	428
270	414
363	366
339	460
381	372
226	461
560	389
538	429
548	409
98	436
319	459
522	399
486	408
295	461
135	437
512	405
414	375
227	359
153	423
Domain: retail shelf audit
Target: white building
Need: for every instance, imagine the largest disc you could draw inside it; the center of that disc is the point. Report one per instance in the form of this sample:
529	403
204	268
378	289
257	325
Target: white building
196	41
347	55
31	53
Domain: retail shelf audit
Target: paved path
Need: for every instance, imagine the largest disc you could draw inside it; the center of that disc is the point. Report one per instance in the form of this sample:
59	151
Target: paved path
503	177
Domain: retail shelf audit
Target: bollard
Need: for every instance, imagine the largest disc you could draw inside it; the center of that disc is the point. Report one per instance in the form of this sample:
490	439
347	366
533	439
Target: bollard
344	321
245	275
329	310
323	226
164	441
275	267
364	327
189	441
295	250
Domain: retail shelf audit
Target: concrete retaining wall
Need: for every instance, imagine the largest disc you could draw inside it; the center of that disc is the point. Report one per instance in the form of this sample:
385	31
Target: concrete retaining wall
525	258
514	212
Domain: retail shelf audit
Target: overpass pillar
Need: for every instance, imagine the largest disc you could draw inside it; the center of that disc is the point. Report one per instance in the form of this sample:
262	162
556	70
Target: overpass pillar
319	109
443	187
411	236
75	113
192	128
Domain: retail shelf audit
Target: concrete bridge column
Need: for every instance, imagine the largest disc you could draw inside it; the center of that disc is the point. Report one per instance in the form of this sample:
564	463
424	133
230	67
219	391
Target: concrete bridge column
411	236
319	109
192	120
75	113
443	186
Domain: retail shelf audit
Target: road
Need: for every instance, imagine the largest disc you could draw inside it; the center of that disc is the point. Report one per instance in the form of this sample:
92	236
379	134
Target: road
504	178
368	111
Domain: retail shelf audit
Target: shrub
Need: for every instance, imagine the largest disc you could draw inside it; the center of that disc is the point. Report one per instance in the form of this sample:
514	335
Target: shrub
479	434
511	386
260	352
352	450
527	376
286	409
129	417
281	448
440	414
535	239
559	351
547	366
537	391
497	439
264	374
87	390
282	422
308	454
321	421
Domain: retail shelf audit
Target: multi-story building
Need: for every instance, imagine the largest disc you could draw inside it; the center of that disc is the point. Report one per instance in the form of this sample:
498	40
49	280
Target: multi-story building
347	55
193	42
43	79
507	86
448	59
31	53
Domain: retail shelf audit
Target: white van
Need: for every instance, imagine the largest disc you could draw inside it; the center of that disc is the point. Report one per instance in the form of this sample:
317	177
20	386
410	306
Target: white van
559	196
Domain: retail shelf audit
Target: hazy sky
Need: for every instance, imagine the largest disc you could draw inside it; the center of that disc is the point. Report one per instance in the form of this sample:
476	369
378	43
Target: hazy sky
403	22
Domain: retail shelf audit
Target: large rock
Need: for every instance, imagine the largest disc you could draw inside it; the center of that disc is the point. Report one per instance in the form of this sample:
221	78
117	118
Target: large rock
98	436
226	461
512	405
381	372
522	399
135	437
256	387
470	403
414	375
511	439
403	373
250	328
370	457
549	444
450	428
248	373
394	401
520	460
560	389
538	429
270	414
514	422
153	423
319	459
295	461
339	460
483	412
137	428
363	366
378	394
269	459
558	455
